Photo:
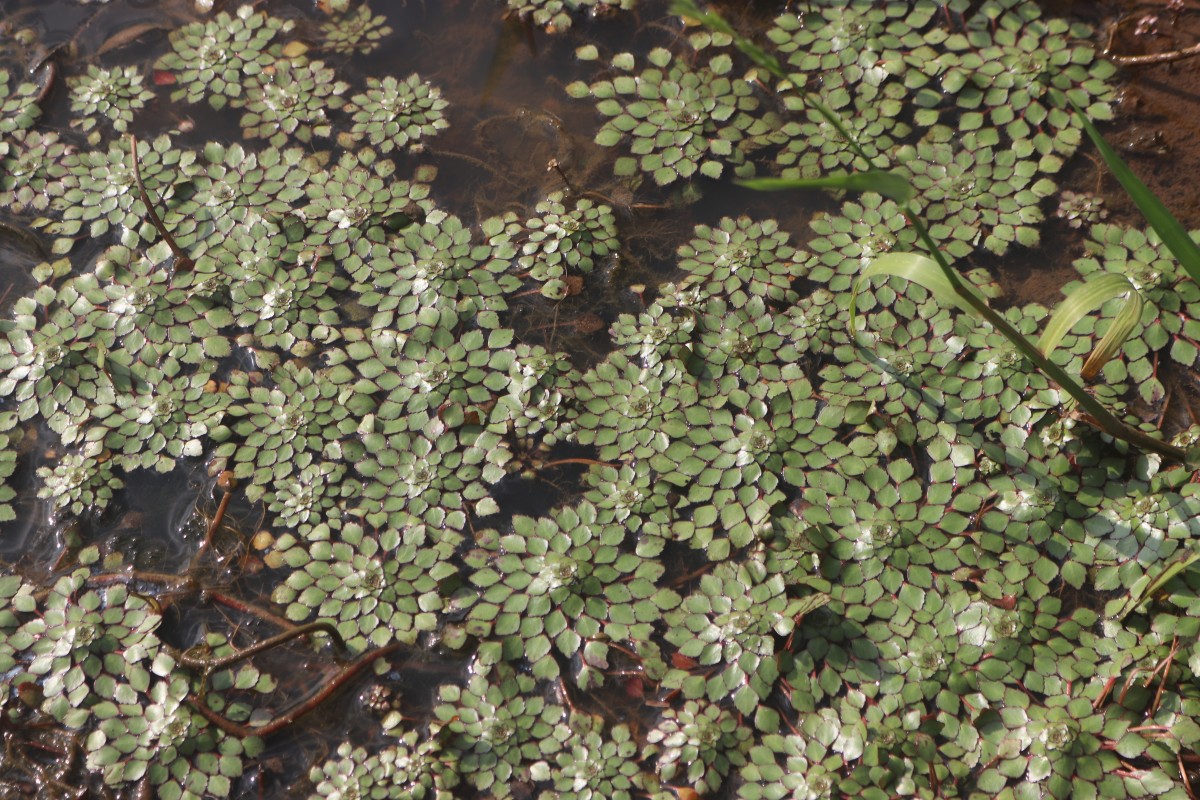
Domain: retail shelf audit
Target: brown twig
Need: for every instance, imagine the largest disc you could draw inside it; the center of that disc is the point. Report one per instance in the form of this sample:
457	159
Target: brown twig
182	262
227	483
249	608
222	662
1187	782
299	710
591	462
1147	59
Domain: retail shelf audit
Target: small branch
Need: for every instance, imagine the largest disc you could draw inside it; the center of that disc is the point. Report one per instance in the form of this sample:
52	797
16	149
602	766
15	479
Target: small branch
249	608
591	462
299	710
182	262
227	483
211	664
1147	59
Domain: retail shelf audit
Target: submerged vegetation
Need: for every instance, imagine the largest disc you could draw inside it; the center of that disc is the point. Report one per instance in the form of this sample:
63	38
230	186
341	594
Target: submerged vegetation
755	528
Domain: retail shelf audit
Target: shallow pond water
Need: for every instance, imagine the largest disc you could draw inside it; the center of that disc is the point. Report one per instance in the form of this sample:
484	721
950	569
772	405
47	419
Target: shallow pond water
505	446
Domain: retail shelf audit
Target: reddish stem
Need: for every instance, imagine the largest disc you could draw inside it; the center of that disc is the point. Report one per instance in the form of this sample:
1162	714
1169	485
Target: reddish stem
297	711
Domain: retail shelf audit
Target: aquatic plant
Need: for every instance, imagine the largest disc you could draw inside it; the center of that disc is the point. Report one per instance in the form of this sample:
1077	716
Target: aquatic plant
563	584
824	552
740	255
698	744
100	192
114	94
166	418
1078	208
1017	73
18	106
679	120
1169	298
593	763
239	190
496	727
376	587
972	191
291	100
555	15
32	170
732	621
214	59
558	239
80	481
409	768
358	31
397	114
812	147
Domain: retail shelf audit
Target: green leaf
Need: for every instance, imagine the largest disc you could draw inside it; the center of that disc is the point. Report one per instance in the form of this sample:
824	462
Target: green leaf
892	185
1169	229
918	269
1088	297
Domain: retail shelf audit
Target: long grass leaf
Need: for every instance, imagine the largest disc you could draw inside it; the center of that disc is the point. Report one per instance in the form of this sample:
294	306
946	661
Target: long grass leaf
1085	299
919	269
892	185
1169	229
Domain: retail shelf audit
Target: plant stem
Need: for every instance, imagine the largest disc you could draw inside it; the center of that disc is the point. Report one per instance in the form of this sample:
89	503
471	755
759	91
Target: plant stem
210	664
297	711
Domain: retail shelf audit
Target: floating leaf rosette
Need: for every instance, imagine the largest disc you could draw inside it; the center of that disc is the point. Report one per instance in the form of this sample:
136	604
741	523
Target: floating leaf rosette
48	358
740	255
1014	69
353	205
727	462
555	15
291	99
375	586
974	191
434	266
498	726
167	417
18	106
139	311
102	195
358	31
214	59
680	120
431	472
1171	303
115	94
413	767
558	239
856	43
76	638
235	191
630	411
813	148
731	621
563	584
697	743
32	171
80	481
397	114
273	425
594	764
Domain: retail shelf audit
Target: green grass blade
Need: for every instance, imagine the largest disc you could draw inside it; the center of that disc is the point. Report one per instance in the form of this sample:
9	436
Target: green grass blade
892	185
1088	297
1169	229
919	269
